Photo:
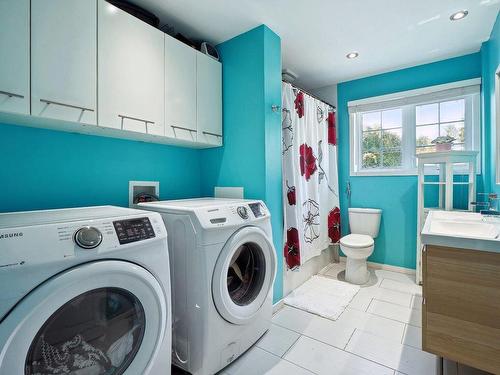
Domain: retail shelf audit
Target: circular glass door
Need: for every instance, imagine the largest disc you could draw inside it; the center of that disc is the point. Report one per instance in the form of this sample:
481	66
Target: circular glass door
243	275
101	318
98	332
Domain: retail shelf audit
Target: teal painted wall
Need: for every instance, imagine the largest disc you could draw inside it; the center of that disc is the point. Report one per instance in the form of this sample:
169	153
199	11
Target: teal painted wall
251	156
490	56
43	169
395	195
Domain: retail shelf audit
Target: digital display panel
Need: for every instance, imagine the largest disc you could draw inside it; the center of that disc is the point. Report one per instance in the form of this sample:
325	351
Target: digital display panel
133	230
256	209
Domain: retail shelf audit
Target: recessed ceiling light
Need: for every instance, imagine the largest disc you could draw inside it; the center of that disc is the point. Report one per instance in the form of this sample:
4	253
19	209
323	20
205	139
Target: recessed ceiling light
459	15
352	55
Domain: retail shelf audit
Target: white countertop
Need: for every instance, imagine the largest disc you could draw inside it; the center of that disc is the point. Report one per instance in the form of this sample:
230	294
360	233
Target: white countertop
464	230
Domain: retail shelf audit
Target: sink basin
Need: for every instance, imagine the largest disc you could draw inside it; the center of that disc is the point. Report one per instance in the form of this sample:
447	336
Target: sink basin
470	229
456	215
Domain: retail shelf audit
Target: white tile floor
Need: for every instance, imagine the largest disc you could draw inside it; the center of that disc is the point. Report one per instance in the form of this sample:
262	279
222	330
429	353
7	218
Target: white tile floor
379	333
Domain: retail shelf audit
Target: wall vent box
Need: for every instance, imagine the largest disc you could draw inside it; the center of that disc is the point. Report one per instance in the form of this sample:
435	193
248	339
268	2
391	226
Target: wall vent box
228	192
137	187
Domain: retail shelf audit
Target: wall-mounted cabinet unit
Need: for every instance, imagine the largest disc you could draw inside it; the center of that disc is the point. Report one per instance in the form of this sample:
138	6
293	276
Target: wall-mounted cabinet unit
131	68
15	56
180	90
64	60
209	99
94	64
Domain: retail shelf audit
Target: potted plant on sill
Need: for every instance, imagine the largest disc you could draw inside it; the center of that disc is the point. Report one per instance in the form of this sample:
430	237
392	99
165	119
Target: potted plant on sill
443	143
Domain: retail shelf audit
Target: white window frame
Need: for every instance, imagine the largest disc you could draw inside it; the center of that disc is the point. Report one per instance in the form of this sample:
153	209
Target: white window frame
407	101
497	124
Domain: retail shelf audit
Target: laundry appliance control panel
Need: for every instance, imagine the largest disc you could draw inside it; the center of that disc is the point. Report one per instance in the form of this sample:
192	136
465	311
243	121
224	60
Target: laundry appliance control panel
232	214
77	238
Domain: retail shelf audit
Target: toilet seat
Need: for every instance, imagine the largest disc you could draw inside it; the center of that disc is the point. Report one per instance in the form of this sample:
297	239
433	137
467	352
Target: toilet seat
357	241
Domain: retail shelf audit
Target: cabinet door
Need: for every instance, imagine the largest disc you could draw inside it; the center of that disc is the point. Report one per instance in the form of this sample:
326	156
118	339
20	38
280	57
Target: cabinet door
461	309
180	90
209	100
15	59
63	59
131	72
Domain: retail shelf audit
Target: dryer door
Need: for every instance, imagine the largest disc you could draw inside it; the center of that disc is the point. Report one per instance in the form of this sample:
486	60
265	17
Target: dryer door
244	275
105	317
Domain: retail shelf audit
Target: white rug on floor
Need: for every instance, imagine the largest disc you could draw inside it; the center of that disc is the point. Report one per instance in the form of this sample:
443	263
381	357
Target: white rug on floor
322	296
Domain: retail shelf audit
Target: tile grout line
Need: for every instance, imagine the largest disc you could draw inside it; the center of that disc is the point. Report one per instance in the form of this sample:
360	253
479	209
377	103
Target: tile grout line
350	337
345	351
291	346
283	359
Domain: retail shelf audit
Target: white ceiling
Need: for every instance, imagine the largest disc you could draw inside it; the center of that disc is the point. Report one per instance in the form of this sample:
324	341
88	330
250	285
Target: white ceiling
317	34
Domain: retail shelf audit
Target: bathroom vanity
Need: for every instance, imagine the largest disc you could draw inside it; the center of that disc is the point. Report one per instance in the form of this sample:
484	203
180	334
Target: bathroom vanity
461	288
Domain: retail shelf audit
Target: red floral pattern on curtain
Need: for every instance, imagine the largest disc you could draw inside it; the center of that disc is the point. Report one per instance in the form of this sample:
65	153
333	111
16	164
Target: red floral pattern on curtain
332	129
299	104
334	225
307	161
292	248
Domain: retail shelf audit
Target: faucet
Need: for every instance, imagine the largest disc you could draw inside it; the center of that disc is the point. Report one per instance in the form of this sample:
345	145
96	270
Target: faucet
491	204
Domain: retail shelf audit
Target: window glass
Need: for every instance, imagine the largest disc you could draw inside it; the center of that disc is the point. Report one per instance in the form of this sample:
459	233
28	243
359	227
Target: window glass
98	333
387	140
382	138
245	276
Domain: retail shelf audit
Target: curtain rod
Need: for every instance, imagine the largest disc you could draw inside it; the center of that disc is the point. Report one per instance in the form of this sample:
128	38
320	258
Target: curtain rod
312	95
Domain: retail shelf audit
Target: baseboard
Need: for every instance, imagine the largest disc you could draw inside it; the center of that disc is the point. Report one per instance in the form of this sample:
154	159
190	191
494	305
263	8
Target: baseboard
387	267
278	306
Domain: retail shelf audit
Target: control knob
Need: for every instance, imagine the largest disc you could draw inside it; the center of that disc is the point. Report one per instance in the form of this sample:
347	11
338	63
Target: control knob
242	211
88	237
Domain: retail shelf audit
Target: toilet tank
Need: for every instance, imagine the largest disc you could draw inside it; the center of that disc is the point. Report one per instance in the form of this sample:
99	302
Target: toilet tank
365	221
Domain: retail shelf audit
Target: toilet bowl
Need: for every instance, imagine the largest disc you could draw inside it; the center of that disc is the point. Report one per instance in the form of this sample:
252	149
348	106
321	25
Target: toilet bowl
359	245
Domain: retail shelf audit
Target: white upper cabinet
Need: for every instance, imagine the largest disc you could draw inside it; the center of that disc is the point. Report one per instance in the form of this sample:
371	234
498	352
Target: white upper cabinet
14	56
209	100
131	72
180	90
64	60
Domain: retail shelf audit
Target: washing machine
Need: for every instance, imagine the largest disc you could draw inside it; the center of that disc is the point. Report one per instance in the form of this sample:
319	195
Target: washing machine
223	266
84	291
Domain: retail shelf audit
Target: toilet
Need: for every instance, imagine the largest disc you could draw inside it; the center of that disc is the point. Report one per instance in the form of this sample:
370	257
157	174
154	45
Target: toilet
358	246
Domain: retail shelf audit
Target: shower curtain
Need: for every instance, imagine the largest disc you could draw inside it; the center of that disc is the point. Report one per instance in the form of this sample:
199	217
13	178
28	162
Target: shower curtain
310	181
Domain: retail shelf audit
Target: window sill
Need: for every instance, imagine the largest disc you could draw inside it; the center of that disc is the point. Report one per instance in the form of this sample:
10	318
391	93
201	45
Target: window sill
385	172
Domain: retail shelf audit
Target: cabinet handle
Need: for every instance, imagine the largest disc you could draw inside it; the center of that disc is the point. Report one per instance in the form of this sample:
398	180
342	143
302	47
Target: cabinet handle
214	134
11	94
146	122
66	105
182	128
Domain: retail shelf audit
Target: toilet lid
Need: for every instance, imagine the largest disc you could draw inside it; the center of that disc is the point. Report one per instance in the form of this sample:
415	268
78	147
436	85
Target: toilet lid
357	241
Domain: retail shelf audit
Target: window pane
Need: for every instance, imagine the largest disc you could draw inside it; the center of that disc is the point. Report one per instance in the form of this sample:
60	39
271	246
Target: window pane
425	134
427	114
392	118
453	110
458	147
371	159
455	130
371	121
372	140
392	159
422	150
391	138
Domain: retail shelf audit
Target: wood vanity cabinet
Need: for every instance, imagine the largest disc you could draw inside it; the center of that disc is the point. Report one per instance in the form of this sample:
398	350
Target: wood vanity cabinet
461	306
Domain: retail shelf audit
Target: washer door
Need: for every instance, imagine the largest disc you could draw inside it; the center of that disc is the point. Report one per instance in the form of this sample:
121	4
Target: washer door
244	275
105	317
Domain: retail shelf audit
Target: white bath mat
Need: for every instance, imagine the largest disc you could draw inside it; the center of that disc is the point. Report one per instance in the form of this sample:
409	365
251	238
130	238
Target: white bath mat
322	296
